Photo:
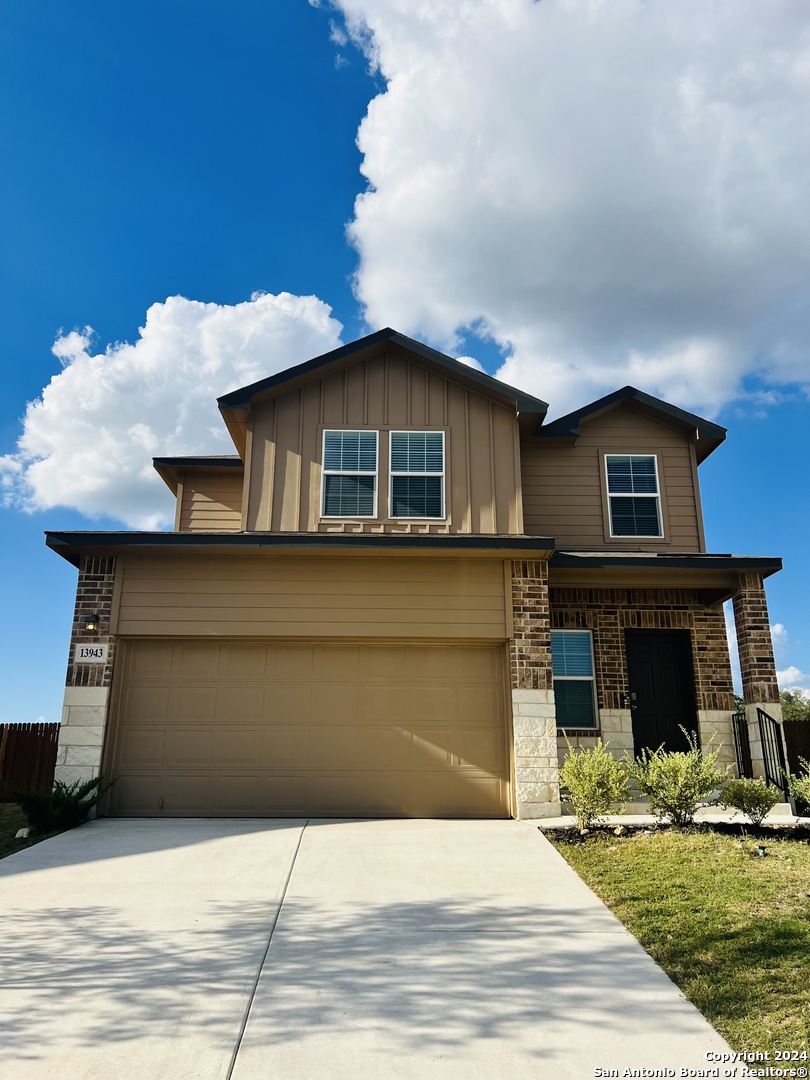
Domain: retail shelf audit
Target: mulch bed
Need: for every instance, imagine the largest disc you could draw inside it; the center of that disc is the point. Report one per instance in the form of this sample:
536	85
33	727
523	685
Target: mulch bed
572	834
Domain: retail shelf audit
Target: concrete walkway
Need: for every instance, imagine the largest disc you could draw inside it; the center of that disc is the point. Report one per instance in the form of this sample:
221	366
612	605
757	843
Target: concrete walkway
366	950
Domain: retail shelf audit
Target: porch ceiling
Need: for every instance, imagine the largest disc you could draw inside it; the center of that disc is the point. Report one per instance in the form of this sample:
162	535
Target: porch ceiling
715	575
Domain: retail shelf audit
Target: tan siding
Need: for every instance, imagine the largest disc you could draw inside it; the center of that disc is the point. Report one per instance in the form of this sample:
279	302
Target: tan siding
384	393
262	468
271	596
309	507
211	502
563	486
418	398
287	485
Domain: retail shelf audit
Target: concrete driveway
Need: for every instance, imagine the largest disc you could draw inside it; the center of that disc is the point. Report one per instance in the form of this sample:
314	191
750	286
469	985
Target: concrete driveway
324	950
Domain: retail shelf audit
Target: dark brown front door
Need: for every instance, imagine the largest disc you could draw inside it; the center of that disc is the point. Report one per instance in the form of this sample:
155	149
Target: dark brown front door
662	692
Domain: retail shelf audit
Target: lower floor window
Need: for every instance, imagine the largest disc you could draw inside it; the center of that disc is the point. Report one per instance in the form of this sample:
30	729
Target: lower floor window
574	683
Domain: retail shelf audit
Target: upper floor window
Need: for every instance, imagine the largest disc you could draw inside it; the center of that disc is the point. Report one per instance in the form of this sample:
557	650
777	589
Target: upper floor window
633	495
417	474
349	474
574	685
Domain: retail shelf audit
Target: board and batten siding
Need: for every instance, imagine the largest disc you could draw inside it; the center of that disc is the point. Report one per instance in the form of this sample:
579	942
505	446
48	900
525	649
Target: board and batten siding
385	393
210	501
312	596
564	488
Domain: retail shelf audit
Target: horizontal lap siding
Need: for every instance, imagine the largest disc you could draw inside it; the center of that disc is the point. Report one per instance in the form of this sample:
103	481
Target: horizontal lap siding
324	597
563	490
211	503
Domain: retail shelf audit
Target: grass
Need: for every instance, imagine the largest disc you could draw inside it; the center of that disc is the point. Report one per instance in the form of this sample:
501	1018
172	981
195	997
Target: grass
11	820
730	927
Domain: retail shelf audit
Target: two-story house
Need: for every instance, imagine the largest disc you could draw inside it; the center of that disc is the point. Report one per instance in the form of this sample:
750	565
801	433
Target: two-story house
400	593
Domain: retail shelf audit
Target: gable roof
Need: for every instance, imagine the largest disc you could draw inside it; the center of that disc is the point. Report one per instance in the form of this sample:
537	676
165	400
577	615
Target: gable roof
525	403
708	435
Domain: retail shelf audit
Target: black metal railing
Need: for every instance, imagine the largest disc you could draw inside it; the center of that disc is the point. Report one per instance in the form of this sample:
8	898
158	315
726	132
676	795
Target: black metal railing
742	744
773	751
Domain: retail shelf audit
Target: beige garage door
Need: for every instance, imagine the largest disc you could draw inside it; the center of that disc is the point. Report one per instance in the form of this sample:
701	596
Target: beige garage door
308	729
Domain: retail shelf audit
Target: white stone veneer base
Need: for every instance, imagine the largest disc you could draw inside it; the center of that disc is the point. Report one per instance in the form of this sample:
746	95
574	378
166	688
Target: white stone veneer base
714	726
81	736
537	780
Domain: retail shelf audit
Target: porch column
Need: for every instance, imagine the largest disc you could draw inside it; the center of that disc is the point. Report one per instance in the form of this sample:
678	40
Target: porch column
760	688
87	685
537	780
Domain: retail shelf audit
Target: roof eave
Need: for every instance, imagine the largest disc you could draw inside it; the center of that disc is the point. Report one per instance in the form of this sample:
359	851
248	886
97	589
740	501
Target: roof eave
242	398
71	545
708	435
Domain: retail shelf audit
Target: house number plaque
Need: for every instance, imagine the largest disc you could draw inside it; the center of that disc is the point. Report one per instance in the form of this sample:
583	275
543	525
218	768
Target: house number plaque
90	654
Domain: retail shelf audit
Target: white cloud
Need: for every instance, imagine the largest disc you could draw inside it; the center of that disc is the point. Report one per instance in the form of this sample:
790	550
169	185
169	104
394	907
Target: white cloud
470	361
792	678
779	635
614	192
88	441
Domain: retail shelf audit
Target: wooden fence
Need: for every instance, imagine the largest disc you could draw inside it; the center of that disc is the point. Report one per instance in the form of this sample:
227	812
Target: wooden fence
27	757
797	743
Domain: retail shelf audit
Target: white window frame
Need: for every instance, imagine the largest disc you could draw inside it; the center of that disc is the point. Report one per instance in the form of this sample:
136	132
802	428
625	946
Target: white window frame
580	678
354	472
635	495
392	473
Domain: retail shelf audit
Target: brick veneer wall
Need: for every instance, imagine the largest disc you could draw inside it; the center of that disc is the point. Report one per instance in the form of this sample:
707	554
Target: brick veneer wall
754	641
94	596
609	612
530	651
534	725
87	686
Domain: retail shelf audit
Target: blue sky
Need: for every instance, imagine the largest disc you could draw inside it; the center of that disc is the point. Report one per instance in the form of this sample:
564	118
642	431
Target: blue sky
195	195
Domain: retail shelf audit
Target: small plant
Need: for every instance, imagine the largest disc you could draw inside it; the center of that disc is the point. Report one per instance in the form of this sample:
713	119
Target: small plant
677	782
754	798
63	808
799	786
594	782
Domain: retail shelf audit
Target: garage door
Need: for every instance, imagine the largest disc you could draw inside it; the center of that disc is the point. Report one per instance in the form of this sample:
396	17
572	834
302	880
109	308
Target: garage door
295	729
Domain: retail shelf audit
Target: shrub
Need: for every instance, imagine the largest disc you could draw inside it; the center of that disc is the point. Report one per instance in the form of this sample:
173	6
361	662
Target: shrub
593	782
677	782
800	786
65	807
754	798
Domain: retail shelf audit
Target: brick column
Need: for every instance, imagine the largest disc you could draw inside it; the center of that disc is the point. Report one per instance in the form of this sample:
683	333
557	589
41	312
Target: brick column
760	688
87	685
537	783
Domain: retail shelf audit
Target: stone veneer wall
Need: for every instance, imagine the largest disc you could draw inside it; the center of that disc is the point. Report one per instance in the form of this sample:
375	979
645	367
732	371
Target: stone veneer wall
87	686
607	612
537	786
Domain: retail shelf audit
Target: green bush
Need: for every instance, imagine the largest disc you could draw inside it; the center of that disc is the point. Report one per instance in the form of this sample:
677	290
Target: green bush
677	782
754	798
800	787
65	807
593	781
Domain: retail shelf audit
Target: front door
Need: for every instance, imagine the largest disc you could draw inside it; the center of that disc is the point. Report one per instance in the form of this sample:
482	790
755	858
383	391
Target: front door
662	692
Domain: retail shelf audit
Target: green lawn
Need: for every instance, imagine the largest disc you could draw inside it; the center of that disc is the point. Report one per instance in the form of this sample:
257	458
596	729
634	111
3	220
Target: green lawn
730	927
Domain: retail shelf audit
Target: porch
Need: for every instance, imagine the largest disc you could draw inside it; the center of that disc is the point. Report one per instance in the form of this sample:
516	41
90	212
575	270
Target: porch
659	662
